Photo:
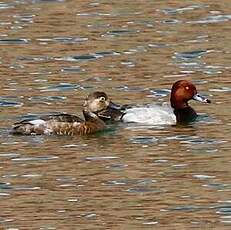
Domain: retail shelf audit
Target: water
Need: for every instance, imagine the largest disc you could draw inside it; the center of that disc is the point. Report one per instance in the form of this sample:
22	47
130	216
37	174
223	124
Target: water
53	53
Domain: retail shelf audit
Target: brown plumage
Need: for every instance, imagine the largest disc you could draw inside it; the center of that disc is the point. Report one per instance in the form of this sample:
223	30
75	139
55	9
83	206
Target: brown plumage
67	124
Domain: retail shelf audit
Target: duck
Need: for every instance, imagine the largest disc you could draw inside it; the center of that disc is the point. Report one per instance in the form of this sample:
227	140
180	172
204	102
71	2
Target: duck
183	91
68	124
180	111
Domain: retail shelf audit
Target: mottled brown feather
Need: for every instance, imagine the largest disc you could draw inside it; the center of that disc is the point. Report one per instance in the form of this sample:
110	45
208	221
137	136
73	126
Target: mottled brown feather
67	124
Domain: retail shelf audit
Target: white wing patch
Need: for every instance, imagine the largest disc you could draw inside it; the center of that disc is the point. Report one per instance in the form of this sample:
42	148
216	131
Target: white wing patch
37	122
41	124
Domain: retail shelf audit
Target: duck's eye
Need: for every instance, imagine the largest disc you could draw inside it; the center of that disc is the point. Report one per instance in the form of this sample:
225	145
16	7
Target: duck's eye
102	99
186	87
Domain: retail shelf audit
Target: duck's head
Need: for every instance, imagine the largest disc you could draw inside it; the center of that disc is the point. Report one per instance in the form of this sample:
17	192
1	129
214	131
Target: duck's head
183	91
97	102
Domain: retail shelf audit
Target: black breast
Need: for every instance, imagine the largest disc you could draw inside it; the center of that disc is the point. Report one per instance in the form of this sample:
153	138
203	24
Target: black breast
187	114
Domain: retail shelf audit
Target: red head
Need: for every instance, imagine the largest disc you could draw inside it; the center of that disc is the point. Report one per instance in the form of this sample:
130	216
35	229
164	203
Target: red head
183	91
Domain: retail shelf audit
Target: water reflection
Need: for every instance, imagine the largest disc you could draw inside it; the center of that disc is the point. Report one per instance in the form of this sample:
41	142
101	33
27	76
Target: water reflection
212	19
54	52
183	9
12	41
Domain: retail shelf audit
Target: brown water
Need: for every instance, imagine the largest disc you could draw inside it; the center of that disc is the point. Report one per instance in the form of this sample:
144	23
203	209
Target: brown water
53	53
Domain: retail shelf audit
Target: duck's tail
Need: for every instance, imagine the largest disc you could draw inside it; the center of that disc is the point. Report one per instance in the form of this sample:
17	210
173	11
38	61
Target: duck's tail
28	127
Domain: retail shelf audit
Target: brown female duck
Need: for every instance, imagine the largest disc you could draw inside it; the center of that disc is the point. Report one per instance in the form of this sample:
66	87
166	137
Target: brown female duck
67	124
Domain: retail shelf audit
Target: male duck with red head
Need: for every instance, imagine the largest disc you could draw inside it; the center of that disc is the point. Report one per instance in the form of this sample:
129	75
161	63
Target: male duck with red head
182	91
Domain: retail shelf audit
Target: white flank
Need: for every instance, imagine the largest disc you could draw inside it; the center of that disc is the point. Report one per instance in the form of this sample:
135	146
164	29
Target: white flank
151	115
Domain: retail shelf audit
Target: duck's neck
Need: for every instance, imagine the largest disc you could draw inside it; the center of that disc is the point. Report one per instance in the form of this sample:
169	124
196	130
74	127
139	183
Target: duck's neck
93	118
183	112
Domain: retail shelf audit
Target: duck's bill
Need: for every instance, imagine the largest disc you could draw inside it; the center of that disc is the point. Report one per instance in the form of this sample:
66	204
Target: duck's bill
112	105
112	112
198	97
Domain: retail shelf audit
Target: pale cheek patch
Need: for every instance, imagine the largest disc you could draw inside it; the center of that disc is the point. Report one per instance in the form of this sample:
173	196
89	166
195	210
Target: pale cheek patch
94	106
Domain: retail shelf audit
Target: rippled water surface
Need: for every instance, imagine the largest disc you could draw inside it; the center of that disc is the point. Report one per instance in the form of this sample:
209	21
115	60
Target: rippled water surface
53	53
